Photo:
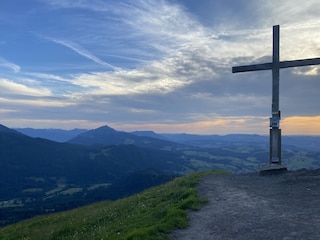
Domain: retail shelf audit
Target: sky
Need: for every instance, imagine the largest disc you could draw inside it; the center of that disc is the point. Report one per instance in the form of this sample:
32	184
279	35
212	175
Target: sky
161	65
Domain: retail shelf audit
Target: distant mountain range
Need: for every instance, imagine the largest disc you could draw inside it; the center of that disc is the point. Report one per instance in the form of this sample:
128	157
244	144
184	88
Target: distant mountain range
57	135
82	136
38	175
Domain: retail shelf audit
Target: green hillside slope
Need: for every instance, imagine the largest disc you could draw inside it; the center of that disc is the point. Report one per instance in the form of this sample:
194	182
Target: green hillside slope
151	214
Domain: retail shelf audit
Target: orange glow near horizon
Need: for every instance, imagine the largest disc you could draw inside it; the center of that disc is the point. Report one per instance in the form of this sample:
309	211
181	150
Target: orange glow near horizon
221	126
296	125
299	125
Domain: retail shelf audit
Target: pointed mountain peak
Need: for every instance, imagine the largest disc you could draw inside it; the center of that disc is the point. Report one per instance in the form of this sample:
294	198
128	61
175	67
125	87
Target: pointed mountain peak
105	128
102	135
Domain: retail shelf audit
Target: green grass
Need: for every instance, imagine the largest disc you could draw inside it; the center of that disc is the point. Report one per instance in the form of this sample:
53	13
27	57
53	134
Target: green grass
151	214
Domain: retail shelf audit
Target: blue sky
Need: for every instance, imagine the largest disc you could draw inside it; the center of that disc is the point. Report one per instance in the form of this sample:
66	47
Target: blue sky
156	65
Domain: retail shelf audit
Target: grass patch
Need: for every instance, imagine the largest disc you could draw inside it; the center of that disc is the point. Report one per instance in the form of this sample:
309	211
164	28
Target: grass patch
151	214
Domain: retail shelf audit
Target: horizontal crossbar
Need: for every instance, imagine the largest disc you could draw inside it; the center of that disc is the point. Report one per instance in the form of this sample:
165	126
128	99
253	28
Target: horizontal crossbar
254	67
300	63
284	64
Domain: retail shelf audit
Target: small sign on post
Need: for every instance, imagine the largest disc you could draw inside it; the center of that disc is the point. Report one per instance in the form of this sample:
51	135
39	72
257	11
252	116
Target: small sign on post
274	122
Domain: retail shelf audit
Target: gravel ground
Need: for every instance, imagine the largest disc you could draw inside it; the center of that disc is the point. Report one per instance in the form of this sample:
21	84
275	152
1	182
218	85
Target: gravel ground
284	206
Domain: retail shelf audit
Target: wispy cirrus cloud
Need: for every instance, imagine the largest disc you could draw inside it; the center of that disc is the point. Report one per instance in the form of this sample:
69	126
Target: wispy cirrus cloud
45	76
82	51
180	49
95	5
43	103
7	64
12	88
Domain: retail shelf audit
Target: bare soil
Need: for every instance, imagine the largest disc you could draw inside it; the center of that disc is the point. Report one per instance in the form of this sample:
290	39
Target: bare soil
249	206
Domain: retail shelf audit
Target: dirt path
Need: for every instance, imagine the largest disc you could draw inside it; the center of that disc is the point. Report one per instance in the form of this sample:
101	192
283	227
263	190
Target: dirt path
285	206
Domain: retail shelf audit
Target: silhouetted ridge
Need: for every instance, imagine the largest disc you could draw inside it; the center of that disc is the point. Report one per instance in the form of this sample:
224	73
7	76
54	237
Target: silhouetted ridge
53	134
108	136
4	129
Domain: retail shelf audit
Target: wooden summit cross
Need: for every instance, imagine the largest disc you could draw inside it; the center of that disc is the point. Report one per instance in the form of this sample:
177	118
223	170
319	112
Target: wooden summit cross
275	65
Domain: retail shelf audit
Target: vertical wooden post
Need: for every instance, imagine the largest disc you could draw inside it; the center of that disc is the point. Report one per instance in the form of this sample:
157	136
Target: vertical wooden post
275	132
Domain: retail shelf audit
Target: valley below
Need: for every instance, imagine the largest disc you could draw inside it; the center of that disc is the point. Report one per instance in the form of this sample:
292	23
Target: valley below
40	176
